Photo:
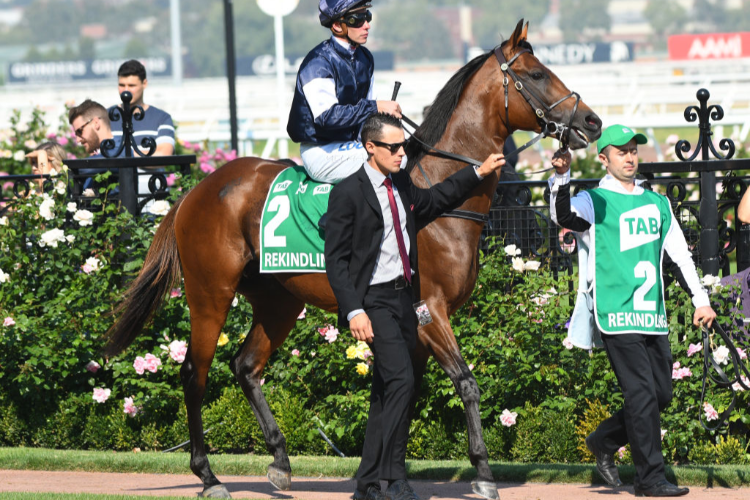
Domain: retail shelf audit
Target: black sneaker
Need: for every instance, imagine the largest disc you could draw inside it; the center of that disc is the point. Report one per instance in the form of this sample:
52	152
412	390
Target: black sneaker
371	493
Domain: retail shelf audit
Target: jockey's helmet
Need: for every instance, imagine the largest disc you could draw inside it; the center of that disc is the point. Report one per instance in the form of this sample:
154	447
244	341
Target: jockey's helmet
332	10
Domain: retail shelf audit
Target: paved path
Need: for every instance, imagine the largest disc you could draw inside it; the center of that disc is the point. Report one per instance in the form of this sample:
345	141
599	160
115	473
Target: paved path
310	488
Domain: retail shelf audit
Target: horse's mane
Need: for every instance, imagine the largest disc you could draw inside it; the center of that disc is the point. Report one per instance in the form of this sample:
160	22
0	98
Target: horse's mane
441	109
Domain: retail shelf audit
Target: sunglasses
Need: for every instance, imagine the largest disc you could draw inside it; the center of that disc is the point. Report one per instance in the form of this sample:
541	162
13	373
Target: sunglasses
79	130
393	148
357	19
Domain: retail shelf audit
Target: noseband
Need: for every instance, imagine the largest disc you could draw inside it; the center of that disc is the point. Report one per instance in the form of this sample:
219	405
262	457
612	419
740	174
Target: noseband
542	110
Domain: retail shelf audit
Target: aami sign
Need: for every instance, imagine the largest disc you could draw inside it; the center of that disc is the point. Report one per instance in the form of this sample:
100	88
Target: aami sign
709	46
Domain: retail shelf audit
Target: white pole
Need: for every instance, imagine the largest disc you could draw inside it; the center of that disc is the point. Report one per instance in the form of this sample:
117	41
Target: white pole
174	17
278	26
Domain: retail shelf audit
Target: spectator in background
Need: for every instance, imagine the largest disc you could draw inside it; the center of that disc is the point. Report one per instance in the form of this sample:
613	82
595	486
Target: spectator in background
46	157
91	126
156	123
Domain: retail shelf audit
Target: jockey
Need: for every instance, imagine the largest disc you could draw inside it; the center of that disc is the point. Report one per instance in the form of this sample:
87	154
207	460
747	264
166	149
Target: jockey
334	94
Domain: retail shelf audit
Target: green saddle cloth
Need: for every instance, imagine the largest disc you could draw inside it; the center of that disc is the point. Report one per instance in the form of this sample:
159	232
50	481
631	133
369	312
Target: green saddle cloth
290	239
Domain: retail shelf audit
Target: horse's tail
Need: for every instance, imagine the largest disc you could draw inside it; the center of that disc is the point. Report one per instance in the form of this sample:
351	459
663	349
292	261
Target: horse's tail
161	271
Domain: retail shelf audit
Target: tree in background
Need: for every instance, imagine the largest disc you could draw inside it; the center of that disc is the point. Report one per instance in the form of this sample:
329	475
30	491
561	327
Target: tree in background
412	31
498	20
710	15
666	17
582	20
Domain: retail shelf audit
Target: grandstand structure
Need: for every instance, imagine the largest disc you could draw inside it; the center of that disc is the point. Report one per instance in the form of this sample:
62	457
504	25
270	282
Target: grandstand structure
646	95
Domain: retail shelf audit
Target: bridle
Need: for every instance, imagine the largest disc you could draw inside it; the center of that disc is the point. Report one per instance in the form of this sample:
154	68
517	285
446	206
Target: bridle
542	110
548	127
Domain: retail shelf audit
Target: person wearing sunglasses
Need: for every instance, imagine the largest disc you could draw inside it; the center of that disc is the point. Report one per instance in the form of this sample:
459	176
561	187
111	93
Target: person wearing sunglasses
90	123
334	94
372	266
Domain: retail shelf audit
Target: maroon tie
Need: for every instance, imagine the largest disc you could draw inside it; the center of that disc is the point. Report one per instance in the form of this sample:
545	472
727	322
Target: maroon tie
397	229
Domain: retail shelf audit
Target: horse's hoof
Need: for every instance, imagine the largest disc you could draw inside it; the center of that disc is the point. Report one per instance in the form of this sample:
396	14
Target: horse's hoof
282	480
486	489
215	491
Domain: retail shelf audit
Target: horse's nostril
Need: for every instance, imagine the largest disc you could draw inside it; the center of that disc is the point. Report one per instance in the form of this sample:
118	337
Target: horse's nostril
593	121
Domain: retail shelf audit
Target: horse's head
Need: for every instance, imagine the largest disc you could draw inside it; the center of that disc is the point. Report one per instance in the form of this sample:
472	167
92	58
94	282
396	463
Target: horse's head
533	96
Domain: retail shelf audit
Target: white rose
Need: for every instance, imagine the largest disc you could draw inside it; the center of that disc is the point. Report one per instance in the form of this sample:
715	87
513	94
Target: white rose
4	278
721	354
518	264
30	143
52	172
3	221
72	207
84	217
512	250
60	187
89	192
160	207
45	209
70	238
19	156
52	237
64	168
709	280
235	301
532	265
568	343
93	263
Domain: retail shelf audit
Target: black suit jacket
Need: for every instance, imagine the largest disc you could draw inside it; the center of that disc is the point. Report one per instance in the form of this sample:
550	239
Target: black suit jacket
354	229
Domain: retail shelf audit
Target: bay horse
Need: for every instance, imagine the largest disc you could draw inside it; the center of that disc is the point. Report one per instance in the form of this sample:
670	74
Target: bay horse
211	237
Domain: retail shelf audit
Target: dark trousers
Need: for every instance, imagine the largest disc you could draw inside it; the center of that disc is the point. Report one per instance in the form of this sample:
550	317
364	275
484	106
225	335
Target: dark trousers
394	327
643	366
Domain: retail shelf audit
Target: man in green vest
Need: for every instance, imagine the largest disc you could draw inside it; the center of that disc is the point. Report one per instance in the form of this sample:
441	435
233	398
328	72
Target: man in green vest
623	231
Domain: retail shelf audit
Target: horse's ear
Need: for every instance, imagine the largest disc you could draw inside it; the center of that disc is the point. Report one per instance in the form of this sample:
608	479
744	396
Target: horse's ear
525	31
518	34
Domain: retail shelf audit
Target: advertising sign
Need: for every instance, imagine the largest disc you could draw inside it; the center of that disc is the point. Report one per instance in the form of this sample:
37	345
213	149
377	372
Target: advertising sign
82	69
709	46
584	53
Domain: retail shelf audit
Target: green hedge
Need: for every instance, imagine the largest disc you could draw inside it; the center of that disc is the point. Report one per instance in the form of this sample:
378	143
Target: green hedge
510	332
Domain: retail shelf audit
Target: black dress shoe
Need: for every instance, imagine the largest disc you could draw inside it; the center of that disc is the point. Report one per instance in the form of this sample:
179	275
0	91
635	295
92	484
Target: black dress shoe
605	464
661	489
400	490
371	493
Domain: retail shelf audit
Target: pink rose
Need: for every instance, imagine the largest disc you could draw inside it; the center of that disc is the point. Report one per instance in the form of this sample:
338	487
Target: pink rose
295	352
711	413
140	365
176	292
741	353
508	418
471	366
62	141
101	395
330	333
129	407
9	321
302	314
170	180
262	381
621	452
178	350
87	268
206	167
93	366
152	363
694	348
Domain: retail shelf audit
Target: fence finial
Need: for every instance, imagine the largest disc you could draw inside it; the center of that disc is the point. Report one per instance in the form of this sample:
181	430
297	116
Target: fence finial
128	143
704	114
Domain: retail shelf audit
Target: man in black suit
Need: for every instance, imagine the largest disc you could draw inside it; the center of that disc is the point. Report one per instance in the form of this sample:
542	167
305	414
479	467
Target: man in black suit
371	268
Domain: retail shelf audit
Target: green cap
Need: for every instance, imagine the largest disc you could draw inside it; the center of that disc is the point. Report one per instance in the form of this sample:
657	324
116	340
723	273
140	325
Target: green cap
618	135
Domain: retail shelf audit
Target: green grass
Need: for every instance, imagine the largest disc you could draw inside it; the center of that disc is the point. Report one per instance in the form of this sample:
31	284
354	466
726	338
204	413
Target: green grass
439	470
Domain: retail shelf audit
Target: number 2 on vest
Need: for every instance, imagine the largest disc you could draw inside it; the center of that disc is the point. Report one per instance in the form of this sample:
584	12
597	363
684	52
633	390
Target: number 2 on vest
280	205
644	269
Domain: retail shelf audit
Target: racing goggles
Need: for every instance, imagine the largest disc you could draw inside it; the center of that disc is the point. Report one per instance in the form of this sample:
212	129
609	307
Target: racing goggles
357	19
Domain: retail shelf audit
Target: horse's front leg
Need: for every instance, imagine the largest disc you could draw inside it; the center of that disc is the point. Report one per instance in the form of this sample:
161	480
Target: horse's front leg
439	338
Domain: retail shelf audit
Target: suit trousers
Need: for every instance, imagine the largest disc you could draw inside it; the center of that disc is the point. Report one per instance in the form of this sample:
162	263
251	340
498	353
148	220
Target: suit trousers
643	366
394	328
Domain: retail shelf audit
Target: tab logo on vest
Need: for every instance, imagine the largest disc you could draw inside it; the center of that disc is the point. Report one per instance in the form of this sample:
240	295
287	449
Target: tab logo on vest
322	189
639	226
281	186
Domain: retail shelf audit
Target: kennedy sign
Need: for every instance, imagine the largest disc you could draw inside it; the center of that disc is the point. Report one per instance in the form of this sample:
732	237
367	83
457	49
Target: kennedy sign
584	53
709	46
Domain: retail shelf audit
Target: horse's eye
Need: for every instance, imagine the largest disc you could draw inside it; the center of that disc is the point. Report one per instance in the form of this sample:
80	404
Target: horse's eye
537	75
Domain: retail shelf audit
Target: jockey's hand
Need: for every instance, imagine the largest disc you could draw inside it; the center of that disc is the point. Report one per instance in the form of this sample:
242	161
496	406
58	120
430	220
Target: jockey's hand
561	161
390	107
361	327
704	314
493	163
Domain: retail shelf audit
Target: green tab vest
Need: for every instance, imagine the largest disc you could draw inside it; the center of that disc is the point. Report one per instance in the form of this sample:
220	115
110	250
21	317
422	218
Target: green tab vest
628	289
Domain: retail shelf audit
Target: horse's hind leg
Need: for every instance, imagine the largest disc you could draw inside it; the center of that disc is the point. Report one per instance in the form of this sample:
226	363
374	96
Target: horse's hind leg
208	312
441	341
275	311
